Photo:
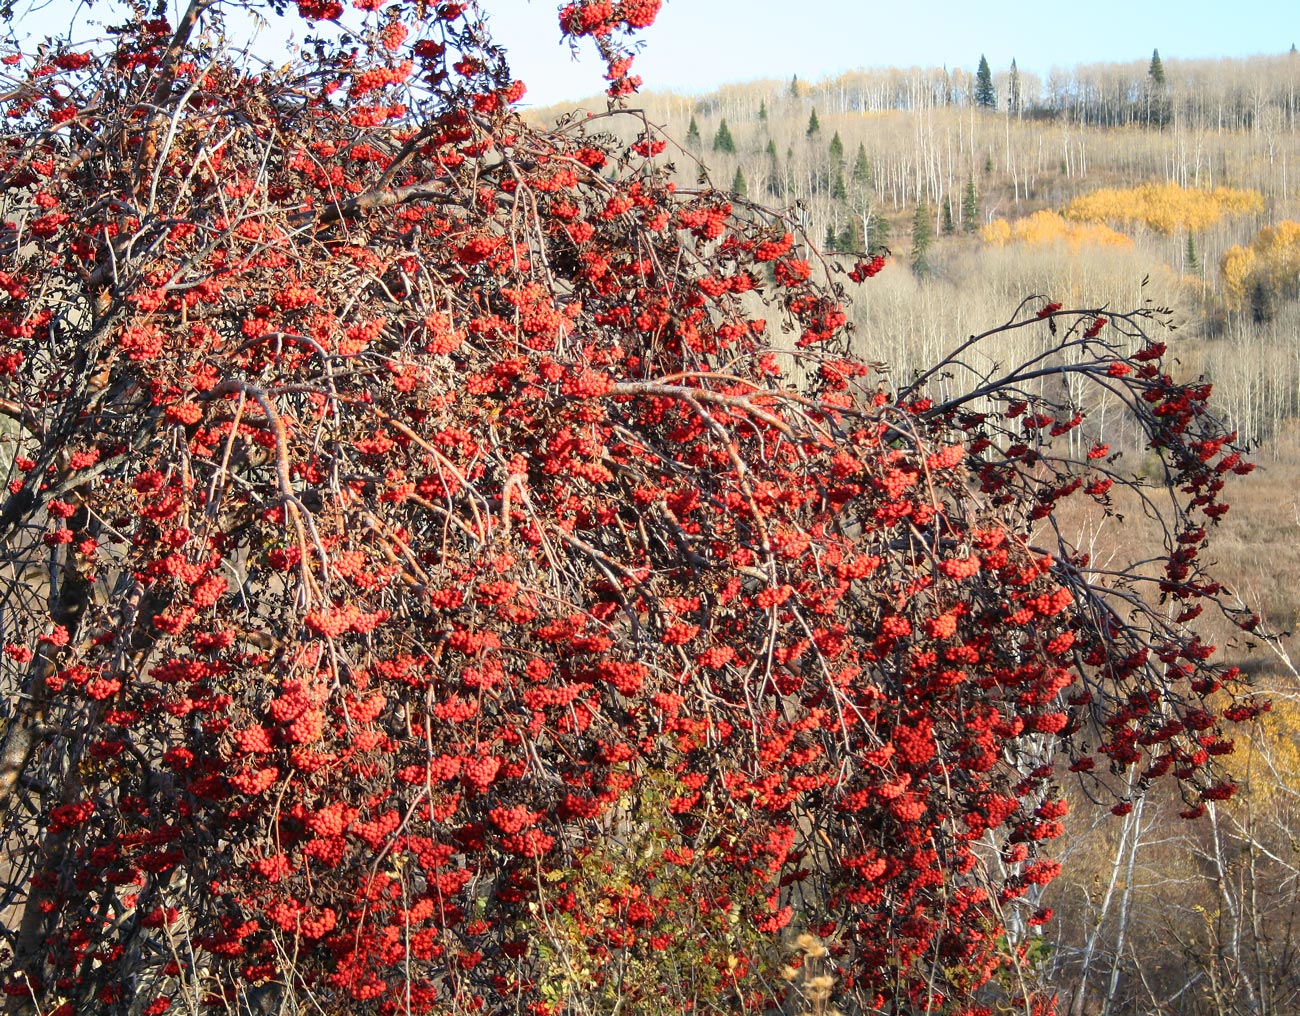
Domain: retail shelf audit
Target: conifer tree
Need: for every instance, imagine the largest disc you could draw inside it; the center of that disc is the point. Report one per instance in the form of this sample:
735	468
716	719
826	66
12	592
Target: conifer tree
838	189
849	237
794	87
831	245
970	207
1156	72
814	125
949	227
739	186
1262	301
762	111
877	231
1158	105
985	95
1193	261
693	134
775	179
862	175
1013	90
837	150
922	235
723	141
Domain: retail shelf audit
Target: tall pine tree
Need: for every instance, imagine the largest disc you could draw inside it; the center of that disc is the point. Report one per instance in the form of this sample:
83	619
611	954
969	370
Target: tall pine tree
839	191
693	134
837	150
922	235
723	141
1158	106
877	232
814	125
1156	72
984	93
739	185
862	175
949	227
970	207
775	178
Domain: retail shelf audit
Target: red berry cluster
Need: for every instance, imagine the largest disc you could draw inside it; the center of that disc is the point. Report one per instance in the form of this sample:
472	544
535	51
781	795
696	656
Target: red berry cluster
454	591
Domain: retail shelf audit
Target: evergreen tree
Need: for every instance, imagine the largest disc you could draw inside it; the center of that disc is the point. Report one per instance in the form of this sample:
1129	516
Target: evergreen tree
837	150
1193	262
739	186
862	175
1262	301
1013	90
970	207
693	134
849	238
839	191
988	163
794	87
949	227
922	235
814	125
722	141
1156	72
775	180
831	245
762	111
877	232
984	93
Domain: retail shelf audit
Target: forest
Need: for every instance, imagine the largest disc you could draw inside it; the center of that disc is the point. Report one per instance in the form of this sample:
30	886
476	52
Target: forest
813	548
1199	200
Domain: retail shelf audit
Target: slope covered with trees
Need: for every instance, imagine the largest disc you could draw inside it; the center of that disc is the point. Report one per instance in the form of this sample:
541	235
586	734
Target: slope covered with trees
917	135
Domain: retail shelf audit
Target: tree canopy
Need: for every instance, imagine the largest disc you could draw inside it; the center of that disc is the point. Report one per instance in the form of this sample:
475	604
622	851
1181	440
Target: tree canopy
450	567
1156	72
985	93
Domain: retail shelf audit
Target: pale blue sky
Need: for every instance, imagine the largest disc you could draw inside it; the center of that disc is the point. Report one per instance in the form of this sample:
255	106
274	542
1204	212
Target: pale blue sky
698	44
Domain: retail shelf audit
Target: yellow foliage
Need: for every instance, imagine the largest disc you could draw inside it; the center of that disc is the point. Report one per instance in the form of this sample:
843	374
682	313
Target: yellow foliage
1237	265
997	232
1272	261
1165	207
1267	756
1046	228
1278	249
